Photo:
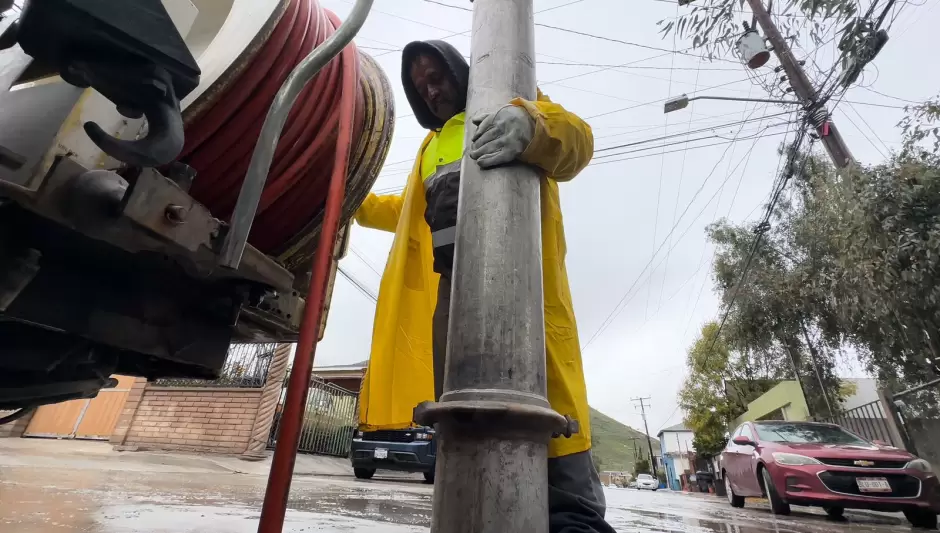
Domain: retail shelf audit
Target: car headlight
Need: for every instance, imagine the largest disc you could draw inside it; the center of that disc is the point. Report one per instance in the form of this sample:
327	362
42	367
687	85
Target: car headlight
359	434
920	464
793	459
423	436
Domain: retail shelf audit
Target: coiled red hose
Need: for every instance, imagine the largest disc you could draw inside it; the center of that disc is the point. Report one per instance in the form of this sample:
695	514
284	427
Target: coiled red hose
219	142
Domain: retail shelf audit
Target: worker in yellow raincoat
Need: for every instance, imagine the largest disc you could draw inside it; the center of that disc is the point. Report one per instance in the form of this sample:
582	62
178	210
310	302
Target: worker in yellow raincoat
409	340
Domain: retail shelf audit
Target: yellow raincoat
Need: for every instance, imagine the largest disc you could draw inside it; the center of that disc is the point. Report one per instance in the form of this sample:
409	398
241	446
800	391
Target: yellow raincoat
400	373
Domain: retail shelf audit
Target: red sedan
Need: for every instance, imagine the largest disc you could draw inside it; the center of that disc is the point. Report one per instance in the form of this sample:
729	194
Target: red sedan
808	463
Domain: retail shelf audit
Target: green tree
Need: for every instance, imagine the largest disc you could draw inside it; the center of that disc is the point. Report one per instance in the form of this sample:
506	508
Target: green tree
875	281
720	384
715	25
642	467
851	260
921	123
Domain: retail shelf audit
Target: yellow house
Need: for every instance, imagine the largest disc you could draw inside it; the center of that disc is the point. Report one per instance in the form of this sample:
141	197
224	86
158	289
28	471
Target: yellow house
785	401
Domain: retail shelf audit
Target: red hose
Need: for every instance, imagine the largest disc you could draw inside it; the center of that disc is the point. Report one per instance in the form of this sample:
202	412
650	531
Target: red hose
324	125
285	451
219	143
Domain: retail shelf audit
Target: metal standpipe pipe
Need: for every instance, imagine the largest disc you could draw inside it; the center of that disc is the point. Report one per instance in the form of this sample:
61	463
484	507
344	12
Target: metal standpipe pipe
493	421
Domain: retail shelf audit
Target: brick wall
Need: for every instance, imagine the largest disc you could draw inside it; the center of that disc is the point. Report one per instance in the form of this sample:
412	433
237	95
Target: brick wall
201	419
15	428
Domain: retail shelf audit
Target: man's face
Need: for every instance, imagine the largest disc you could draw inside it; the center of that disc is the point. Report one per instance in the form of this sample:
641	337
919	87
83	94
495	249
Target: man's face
430	77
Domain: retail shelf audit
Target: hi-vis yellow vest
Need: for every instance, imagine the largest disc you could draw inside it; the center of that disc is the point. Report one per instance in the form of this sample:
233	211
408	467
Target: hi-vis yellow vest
400	374
445	147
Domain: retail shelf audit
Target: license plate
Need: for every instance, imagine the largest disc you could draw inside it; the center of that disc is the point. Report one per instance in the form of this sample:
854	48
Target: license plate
873	484
381	453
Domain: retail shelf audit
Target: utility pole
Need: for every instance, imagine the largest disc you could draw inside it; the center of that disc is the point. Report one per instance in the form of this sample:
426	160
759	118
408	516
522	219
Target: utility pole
803	88
494	421
649	440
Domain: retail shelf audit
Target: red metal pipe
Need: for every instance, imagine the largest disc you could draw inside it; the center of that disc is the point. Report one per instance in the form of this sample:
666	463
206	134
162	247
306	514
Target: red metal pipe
285	452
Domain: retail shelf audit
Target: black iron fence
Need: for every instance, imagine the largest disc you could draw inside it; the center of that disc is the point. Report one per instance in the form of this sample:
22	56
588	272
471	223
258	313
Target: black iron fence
918	412
330	419
868	421
246	366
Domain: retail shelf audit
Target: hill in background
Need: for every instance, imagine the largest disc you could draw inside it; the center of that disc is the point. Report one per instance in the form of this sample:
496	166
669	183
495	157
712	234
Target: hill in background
613	443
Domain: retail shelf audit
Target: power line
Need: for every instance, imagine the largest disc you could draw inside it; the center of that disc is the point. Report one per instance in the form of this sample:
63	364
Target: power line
761	229
362	258
675	206
619	307
662	168
358	285
684	133
628	43
660	100
726	141
872	130
745	160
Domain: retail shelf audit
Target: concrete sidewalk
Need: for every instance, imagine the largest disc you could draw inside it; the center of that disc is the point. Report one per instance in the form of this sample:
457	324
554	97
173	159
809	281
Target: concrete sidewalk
80	454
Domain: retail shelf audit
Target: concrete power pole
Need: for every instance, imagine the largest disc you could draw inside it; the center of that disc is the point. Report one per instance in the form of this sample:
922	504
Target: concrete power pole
649	440
803	88
494	421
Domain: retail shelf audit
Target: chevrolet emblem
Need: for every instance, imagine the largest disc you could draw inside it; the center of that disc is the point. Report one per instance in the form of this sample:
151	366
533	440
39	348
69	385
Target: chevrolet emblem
862	462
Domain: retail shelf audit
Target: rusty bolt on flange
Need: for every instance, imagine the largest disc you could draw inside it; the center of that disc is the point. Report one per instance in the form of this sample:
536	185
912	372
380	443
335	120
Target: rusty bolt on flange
175	214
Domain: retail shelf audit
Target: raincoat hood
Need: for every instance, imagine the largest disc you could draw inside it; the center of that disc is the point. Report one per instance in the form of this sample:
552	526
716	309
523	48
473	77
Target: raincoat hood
457	66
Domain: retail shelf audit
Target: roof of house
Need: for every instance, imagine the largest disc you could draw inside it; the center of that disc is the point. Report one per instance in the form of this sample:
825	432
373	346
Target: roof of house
348	366
352	370
678	428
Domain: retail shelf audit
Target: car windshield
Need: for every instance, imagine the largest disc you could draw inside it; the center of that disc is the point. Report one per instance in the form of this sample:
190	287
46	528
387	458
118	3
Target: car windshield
807	434
645	477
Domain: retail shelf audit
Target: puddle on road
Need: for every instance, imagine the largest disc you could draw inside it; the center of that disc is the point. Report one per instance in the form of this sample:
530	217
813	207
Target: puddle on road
73	501
634	513
110	502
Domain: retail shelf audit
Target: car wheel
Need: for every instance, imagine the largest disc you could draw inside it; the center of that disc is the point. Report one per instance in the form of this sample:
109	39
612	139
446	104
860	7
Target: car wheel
429	477
921	518
777	503
364	473
834	512
733	499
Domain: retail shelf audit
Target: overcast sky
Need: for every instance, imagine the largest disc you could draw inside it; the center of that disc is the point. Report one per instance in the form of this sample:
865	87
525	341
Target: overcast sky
618	212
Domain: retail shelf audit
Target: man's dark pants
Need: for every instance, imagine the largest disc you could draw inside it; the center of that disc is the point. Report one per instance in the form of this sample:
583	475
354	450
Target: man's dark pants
576	502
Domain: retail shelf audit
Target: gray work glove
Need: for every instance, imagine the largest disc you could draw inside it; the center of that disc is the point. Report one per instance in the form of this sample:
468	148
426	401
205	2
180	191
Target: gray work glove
502	136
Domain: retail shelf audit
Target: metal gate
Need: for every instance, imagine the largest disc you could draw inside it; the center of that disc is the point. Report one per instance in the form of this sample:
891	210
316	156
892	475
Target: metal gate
330	419
918	411
869	421
93	418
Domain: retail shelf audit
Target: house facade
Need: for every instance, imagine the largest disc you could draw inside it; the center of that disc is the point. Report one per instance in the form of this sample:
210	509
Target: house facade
677	452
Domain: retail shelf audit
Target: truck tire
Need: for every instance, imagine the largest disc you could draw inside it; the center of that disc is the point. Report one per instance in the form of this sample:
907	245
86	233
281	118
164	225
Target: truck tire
921	518
364	473
777	504
429	477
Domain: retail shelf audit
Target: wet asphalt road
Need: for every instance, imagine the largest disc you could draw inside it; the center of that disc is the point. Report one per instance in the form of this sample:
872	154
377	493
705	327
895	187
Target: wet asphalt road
56	500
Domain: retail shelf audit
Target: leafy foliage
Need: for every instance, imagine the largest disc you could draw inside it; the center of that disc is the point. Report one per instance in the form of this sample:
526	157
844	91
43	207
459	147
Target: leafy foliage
921	122
720	384
851	261
714	25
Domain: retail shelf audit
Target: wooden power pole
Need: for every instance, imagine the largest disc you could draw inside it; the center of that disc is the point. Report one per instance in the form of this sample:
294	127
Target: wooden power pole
803	88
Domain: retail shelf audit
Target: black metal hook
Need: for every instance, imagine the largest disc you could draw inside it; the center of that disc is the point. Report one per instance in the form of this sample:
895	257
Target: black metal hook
136	91
163	142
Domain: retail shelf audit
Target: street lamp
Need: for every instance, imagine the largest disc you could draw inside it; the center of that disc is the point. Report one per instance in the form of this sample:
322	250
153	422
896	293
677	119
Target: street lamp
682	101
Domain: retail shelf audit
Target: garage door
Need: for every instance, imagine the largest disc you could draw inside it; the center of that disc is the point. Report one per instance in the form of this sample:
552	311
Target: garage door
82	419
